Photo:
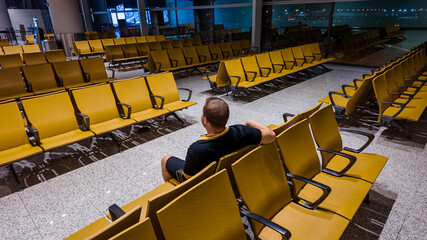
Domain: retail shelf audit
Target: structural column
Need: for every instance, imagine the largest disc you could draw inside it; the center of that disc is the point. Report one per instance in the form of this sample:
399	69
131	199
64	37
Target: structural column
256	23
5	22
86	15
65	16
142	17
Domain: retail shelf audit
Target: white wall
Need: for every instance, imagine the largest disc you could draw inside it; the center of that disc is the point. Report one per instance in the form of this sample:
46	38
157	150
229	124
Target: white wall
25	17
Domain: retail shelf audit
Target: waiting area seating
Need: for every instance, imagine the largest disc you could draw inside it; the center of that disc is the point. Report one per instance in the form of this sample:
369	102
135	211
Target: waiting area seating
31	58
394	32
361	41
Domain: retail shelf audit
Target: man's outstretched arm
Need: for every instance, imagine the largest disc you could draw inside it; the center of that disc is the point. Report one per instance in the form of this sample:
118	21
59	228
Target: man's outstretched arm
268	135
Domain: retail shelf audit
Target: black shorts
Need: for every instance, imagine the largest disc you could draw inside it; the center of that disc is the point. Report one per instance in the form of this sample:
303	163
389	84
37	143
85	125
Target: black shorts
173	164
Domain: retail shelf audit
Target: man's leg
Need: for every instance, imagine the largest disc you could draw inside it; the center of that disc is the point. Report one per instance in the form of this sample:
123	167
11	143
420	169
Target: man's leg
170	165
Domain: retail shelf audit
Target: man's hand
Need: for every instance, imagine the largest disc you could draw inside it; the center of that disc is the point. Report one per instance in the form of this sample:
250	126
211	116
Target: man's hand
268	135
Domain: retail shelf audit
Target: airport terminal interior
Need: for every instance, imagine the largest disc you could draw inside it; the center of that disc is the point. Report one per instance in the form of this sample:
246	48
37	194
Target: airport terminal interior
94	94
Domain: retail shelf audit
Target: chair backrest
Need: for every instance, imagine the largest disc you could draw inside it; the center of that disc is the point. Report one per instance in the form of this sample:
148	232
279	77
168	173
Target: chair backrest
264	61
142	230
176	55
12	49
34	58
41	77
279	129
54	56
164	85
161	57
262	182
316	51
11	83
305	114
29	39
250	64
130	40
48	118
81	47
197	41
177	43
119	41
31	48
204	53
96	45
234	68
161	200
4	42
187	42
216	52
114	52
95	68
141	39
133	92
380	88
151	38
235	45
308	54
70	72
166	44
217	218
246	46
276	57
160	37
226	49
96	102
124	222
288	57
326	132
299	152
107	42
130	50
155	46
12	130
191	53
11	61
298	55
143	48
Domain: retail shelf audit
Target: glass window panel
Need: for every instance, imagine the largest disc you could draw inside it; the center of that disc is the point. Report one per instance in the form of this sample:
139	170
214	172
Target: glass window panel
236	17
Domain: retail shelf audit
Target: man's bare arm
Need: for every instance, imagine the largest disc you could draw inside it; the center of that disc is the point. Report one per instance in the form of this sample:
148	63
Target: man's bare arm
268	135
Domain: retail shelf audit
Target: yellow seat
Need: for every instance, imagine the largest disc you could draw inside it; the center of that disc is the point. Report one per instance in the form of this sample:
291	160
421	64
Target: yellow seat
166	44
160	38
204	54
216	52
177	43
253	72
11	61
155	46
176	56
134	93
130	40
142	230
217	218
96	46
70	73
94	69
14	142
237	77
263	186
164	85
56	123
119	41
151	38
237	48
11	84
99	105
143	49
289	59
317	53
82	48
114	53
266	64
159	61
227	50
188	42
4	42
141	39
300	157
326	133
246	46
12	50
33	48
107	42
41	77
54	56
191	56
34	58
197	41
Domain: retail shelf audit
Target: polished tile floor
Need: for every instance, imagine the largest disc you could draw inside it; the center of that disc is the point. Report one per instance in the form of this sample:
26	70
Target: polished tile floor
73	186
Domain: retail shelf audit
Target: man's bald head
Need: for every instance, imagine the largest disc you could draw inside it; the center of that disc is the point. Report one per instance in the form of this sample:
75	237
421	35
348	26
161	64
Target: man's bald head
216	112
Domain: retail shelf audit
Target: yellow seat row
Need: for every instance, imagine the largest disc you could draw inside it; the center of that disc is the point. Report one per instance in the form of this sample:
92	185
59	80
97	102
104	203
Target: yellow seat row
19	49
61	118
325	201
18	60
361	41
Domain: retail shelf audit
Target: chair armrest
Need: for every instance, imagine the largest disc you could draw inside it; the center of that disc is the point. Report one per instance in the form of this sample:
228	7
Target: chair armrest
255	48
35	133
113	72
326	190
238	79
29	86
60	82
204	58
336	93
394	103
280	65
228	54
352	160
86	120
246	75
357	80
404	94
286	234
87	77
127	116
318	54
161	105
180	175
268	73
190	92
160	65
115	212
236	54
216	56
293	65
347	86
370	139
286	115
301	59
191	60
174	61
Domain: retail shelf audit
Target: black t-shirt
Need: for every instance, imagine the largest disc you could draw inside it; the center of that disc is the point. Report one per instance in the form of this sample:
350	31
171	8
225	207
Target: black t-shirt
211	148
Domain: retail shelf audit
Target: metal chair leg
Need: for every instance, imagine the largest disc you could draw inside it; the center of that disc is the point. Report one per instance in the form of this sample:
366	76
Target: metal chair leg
12	170
115	141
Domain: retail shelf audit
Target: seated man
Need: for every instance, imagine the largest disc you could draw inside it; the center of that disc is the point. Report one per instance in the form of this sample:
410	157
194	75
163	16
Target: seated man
218	142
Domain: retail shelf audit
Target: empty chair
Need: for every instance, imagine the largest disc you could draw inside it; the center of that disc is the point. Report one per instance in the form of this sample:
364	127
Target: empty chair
82	48
237	48
227	51
263	186
177	43
176	56
142	230
97	109
159	61
131	52
151	38
143	49
11	61
34	58
246	47
204	54
327	135
187	42
14	142
197	41
141	39
114	53
96	46
31	48
130	40
164	85
11	84
134	93
155	46
56	123
300	157
42	78
54	56
95	71
107	42
70	73
12	50
119	41
216	52
167	44
4	42
191	55
160	38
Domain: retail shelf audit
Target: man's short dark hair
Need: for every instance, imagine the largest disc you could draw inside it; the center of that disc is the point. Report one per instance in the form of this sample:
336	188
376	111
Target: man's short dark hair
216	112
